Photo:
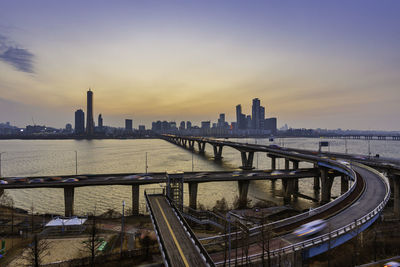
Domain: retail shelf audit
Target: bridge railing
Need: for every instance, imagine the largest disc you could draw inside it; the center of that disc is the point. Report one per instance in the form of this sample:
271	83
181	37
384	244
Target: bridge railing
203	252
284	222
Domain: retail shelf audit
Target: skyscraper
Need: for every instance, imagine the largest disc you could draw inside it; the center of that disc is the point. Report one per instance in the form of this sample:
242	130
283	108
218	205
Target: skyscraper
128	125
262	117
79	121
255	114
89	118
100	121
238	113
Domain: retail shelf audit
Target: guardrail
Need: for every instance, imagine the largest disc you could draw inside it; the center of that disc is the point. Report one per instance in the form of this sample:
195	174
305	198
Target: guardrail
351	227
284	222
203	252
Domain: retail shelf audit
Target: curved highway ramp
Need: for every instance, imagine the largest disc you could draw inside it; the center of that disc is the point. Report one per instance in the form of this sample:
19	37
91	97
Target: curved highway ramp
178	244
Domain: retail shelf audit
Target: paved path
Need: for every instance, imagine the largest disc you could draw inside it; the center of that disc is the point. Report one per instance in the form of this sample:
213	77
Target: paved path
179	247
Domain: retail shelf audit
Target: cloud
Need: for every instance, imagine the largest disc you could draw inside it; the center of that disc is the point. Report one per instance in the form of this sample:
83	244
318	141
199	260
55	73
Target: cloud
20	58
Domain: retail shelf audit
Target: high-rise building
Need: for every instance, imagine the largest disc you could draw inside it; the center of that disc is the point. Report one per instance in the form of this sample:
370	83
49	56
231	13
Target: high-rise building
238	115
221	120
188	125
182	125
248	122
271	124
100	121
89	118
240	118
79	121
262	117
205	125
255	113
128	125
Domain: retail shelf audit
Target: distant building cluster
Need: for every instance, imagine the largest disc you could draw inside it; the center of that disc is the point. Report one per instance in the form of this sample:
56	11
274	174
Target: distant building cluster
245	125
100	130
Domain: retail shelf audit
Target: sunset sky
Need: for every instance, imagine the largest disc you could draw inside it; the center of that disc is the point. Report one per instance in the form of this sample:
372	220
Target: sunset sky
327	64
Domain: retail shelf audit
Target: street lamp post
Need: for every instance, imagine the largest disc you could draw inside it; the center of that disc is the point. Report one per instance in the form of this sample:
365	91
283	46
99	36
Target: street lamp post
146	163
76	162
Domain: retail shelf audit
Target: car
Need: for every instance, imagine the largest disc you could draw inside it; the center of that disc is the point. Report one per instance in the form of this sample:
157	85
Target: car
19	179
201	174
145	178
252	174
311	228
274	146
3	182
130	177
277	173
82	177
55	178
36	181
236	173
392	264
70	180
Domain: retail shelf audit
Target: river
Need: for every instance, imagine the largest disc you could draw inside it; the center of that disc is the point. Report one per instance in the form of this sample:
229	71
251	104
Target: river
58	157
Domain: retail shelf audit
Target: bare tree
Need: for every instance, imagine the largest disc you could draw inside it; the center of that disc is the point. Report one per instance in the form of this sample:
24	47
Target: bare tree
266	235
37	250
94	240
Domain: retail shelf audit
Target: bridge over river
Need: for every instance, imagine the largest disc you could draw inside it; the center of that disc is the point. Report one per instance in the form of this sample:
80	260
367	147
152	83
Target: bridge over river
358	207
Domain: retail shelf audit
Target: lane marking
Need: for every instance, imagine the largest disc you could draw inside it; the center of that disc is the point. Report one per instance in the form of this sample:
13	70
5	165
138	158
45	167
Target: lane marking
173	235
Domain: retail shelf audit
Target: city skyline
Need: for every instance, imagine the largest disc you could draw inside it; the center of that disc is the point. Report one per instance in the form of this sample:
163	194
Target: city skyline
331	65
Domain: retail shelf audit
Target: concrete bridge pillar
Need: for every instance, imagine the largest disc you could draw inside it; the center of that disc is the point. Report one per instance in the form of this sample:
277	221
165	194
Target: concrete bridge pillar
191	144
273	162
202	147
243	189
247	160
69	201
217	151
326	186
296	181
135	199
184	142
1	191
193	186
396	195
288	188
316	180
287	162
344	184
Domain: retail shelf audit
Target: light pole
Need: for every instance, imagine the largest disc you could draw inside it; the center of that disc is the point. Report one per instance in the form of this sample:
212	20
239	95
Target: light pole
146	163
76	162
345	144
0	162
122	226
369	148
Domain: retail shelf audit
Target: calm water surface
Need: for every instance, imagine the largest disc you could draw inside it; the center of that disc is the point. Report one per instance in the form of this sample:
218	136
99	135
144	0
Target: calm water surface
57	157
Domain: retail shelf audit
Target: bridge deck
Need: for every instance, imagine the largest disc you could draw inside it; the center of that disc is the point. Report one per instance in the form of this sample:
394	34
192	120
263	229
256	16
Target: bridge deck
178	245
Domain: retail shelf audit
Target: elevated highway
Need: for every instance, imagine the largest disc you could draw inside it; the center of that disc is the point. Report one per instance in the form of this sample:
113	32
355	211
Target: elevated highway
344	224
